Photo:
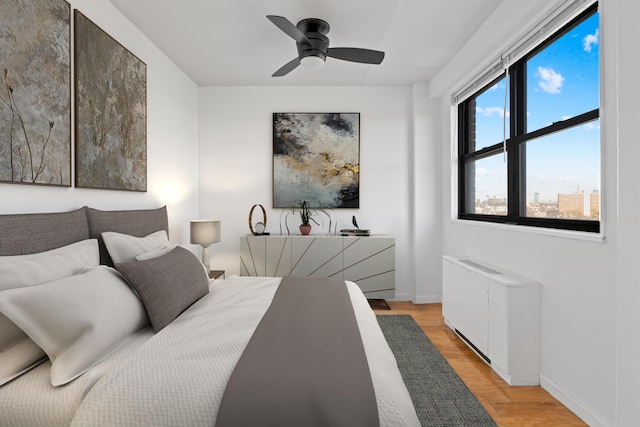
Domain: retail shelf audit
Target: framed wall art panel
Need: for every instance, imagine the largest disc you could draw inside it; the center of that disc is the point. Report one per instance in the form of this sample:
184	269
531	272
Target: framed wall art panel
110	111
35	92
316	158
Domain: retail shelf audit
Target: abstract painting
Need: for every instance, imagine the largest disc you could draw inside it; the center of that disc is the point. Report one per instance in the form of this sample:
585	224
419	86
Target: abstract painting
111	111
35	92
316	158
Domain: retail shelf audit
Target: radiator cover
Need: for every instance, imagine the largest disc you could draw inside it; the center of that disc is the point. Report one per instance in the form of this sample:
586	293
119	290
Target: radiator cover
497	313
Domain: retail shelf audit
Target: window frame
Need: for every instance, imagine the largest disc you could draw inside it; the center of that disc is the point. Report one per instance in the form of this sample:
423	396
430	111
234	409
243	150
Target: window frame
515	144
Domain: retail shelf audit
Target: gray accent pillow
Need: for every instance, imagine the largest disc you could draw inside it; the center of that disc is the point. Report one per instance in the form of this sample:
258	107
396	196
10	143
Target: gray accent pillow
167	285
139	223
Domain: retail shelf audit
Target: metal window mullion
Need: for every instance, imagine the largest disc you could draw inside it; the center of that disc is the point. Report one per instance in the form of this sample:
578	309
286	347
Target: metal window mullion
463	131
559	126
521	129
484	153
517	124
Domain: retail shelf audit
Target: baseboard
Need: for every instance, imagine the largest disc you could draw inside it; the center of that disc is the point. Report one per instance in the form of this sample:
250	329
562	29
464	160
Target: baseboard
418	299
574	404
427	299
401	297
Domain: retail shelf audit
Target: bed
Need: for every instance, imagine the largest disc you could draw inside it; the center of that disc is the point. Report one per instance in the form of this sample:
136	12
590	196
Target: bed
154	342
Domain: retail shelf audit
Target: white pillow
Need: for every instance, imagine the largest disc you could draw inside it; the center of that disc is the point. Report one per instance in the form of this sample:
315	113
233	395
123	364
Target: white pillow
33	269
125	248
18	353
155	253
77	320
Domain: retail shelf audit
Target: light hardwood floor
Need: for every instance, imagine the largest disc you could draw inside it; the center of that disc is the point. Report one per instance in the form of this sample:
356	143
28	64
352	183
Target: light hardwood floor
509	406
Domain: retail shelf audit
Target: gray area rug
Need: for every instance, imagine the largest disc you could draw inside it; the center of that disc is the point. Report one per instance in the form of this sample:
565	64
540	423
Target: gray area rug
439	395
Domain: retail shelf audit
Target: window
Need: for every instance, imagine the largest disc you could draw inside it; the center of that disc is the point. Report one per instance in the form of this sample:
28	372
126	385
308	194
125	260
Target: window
529	141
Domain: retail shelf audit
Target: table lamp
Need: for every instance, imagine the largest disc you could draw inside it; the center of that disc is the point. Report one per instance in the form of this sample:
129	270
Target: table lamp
205	232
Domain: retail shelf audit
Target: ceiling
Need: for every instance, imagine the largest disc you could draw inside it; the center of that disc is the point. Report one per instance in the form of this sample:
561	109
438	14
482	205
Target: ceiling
232	43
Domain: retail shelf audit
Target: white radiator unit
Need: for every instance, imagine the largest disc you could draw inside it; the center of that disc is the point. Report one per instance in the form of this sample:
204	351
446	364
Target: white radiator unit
497	313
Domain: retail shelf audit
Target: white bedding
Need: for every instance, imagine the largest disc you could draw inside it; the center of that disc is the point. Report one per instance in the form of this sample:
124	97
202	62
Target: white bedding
177	376
31	400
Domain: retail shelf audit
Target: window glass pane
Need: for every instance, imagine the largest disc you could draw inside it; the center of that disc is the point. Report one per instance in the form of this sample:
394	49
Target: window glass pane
563	174
489	117
563	78
487	186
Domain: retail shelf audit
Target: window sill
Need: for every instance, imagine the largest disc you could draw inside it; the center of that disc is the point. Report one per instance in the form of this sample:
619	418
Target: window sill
552	232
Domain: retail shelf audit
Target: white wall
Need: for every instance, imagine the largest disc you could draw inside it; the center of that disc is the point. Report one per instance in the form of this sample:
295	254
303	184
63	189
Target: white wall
625	17
172	140
583	279
236	162
427	197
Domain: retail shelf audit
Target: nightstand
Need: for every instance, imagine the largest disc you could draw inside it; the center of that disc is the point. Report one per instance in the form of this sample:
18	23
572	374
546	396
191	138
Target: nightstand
216	274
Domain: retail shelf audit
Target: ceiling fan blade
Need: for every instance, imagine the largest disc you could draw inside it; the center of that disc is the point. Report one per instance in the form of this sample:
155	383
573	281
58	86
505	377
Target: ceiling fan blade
287	68
291	30
354	54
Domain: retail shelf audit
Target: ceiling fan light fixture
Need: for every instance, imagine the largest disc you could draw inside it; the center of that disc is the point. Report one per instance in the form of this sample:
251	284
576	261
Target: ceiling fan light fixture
312	62
313	46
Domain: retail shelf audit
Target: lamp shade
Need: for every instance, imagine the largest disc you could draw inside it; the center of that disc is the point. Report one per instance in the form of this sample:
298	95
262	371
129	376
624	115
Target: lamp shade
205	231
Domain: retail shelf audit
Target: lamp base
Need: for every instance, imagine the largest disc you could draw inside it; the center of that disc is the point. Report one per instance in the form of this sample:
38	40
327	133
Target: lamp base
206	259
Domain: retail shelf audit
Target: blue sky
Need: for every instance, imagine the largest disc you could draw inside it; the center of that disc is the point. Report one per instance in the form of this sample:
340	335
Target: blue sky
562	82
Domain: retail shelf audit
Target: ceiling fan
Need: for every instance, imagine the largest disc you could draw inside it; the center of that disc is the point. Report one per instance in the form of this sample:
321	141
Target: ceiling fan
313	45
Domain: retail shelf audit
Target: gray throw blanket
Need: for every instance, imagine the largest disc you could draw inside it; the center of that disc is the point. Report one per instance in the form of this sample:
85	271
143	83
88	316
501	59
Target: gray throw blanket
305	364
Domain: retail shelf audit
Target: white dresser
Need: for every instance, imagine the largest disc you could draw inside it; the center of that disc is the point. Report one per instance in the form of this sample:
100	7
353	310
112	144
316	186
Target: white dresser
368	261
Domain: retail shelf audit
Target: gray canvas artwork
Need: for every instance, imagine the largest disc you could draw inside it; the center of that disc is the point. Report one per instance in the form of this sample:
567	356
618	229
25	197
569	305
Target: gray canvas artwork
111	112
35	92
316	158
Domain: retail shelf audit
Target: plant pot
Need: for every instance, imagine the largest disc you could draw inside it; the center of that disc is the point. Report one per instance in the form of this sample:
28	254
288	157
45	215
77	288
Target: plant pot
305	229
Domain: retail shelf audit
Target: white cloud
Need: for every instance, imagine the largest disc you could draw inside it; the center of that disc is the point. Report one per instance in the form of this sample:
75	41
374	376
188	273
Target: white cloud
591	40
499	85
550	80
489	111
592	126
498	171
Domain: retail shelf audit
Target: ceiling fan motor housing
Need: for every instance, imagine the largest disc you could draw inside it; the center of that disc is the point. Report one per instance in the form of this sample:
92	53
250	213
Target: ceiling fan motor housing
314	29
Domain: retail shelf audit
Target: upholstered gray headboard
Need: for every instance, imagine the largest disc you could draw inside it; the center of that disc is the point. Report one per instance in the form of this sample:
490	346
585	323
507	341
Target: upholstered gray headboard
137	223
30	233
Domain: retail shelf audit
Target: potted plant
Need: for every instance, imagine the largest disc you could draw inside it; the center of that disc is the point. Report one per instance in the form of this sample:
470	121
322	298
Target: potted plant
306	216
